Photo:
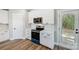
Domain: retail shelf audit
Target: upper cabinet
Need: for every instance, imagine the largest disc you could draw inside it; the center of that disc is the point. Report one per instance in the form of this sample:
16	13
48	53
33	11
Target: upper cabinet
3	17
46	14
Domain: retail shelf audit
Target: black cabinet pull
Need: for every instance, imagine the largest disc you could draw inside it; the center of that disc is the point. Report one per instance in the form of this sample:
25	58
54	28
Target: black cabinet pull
77	32
76	29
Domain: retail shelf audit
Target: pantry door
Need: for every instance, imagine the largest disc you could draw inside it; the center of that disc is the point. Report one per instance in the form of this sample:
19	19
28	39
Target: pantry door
69	29
18	26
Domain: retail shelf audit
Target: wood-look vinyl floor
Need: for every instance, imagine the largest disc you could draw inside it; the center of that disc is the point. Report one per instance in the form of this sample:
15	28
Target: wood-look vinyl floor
21	45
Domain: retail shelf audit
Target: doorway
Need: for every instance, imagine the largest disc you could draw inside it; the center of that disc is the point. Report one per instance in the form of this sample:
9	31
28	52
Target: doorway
68	29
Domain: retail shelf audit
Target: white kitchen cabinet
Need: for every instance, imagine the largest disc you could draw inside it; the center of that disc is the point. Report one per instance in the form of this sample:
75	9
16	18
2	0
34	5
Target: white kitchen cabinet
30	18
48	27
28	34
47	39
4	36
3	17
46	14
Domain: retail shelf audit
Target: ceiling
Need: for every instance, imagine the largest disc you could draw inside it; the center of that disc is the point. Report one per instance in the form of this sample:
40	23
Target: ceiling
26	9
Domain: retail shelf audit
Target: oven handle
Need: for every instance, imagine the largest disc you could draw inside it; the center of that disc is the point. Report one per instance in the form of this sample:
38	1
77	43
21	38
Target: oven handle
35	31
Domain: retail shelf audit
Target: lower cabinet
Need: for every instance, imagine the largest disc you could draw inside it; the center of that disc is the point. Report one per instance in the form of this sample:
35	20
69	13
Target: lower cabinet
28	34
4	36
29	37
47	39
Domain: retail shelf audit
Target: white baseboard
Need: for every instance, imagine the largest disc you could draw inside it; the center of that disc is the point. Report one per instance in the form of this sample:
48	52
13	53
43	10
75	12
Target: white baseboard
16	38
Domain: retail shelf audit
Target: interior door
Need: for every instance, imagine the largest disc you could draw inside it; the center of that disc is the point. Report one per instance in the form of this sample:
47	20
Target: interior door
69	29
18	26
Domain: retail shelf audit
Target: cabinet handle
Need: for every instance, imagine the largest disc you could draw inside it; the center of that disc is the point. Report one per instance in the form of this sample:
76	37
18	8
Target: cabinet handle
76	32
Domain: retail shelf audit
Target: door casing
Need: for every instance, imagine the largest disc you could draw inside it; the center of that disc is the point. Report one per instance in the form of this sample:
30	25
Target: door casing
59	32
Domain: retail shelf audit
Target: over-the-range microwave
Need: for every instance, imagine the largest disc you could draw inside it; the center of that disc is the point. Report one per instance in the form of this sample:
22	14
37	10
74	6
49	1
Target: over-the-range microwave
37	20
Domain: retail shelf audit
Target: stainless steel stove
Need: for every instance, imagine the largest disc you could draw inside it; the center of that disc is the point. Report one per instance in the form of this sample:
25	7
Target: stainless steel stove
35	34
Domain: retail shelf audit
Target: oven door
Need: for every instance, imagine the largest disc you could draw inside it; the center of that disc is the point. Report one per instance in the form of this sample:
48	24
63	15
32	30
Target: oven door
35	37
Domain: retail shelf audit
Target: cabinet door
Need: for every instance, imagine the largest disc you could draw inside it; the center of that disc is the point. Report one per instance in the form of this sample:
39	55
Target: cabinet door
30	18
46	39
30	21
1	37
48	17
28	34
4	36
3	17
43	38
